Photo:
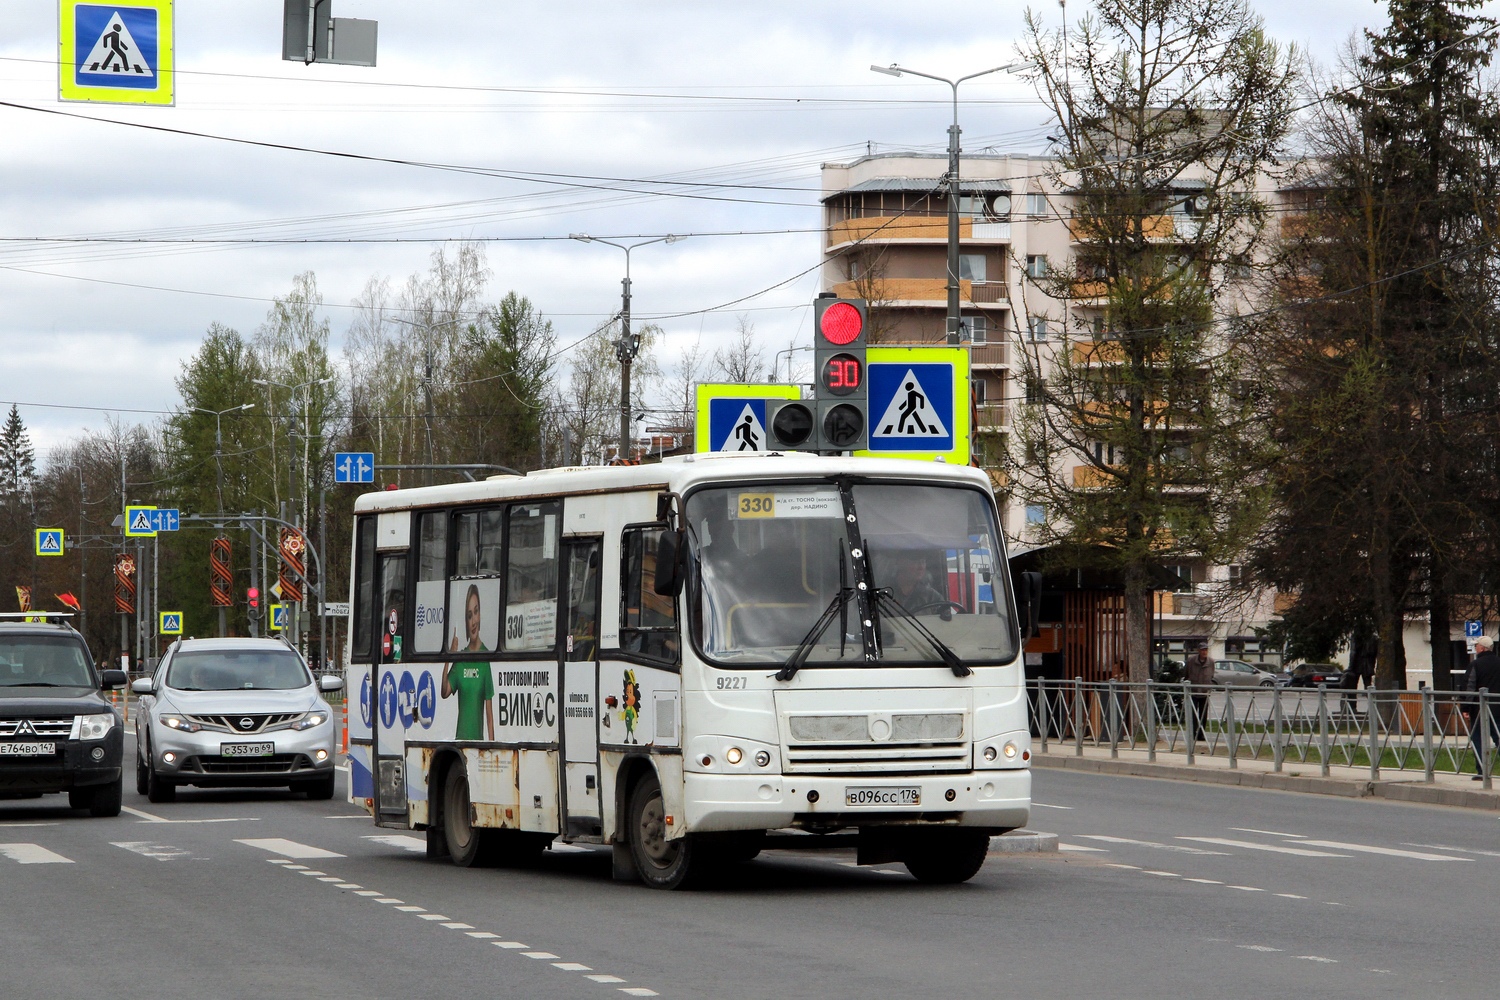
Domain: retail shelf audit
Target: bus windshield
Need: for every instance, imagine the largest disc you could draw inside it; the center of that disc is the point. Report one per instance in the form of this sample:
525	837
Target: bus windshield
773	560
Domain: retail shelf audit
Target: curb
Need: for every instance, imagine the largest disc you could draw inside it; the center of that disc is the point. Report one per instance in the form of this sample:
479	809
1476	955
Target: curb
1416	792
1023	842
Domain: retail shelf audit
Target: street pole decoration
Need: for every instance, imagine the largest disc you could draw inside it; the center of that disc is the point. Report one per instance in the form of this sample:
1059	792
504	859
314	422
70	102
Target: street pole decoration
220	576
125	584
292	565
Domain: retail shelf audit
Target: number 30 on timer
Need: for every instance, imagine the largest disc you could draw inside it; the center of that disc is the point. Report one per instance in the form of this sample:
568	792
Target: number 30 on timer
842	374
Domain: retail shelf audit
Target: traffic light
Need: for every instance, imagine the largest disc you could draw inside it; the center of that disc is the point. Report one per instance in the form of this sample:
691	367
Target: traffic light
252	600
839	337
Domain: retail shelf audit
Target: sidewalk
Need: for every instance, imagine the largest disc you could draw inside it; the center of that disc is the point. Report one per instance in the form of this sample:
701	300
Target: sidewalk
1295	776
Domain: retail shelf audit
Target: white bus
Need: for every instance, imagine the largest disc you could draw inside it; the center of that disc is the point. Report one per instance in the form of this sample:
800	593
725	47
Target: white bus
691	662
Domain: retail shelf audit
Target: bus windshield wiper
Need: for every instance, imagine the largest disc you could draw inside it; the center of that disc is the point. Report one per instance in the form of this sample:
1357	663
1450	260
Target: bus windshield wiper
836	608
885	599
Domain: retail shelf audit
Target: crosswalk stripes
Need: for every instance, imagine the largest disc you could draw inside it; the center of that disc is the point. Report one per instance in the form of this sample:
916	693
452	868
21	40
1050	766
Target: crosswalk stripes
287	848
1249	845
32	854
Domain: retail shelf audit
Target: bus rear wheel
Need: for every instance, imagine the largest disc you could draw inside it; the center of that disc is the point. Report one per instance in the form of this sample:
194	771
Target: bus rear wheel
946	857
662	863
467	845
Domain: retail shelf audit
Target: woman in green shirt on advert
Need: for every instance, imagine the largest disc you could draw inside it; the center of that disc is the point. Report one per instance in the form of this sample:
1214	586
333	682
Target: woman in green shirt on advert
471	680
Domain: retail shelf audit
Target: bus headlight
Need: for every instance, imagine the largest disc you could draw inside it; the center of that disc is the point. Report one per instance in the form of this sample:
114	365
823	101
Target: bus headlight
1010	750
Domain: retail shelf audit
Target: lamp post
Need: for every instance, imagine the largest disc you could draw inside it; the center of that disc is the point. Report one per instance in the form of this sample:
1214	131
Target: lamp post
628	344
953	185
218	416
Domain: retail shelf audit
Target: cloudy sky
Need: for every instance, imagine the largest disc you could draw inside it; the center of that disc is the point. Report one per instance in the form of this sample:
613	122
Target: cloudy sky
569	111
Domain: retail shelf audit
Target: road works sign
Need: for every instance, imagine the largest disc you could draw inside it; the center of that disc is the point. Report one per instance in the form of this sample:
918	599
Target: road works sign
732	416
49	542
919	403
116	53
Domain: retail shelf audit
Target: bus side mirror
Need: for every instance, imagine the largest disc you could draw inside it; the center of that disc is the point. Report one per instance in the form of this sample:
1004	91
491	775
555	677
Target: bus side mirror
671	552
1028	587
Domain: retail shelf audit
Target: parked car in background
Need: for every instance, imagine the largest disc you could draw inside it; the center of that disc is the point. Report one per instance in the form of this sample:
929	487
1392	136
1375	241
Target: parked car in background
1313	674
234	712
1238	673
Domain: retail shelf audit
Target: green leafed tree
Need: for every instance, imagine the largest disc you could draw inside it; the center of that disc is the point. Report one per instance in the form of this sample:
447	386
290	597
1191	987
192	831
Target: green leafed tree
1167	112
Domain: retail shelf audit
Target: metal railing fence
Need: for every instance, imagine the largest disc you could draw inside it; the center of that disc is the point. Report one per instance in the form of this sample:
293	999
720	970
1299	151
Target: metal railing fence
1431	731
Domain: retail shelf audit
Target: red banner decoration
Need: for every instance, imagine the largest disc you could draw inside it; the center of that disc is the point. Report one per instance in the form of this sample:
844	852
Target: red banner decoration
125	584
220	577
292	572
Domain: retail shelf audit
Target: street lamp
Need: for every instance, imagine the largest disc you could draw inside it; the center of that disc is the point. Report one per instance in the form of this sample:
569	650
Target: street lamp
291	458
953	185
628	344
218	416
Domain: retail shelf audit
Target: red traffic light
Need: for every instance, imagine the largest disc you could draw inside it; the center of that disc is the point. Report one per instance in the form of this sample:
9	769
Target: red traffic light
840	324
253	596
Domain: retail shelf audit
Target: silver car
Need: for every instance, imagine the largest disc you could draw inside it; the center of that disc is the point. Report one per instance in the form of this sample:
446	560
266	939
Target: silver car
233	712
1241	674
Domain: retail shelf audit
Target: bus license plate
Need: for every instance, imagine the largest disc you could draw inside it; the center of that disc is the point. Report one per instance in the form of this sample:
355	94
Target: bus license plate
246	749
863	795
27	749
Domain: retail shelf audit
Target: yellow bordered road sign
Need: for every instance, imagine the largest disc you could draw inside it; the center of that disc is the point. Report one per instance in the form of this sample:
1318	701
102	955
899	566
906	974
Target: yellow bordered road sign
116	53
732	415
49	541
278	617
919	403
140	522
170	623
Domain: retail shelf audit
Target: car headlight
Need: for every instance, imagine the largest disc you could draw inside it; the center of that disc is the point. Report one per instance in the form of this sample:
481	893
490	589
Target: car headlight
310	720
178	723
93	727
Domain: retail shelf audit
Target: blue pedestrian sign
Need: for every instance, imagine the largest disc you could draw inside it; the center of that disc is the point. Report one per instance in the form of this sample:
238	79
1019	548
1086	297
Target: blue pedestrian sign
171	623
140	522
731	416
278	617
354	467
119	52
49	541
1473	629
918	403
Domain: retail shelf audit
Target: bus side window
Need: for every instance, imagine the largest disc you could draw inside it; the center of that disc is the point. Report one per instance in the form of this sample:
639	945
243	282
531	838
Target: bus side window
648	620
531	577
364	588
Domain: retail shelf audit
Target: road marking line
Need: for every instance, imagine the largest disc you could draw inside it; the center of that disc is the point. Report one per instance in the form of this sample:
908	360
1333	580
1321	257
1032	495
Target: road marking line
1244	888
1177	848
408	908
1268	833
539	954
1204	881
32	854
571	967
1257	947
278	861
1079	848
331	878
148	849
143	815
510	944
569	849
458	926
414	844
1290	895
483	935
312	871
32	824
368	892
364	816
291	867
146	817
348	885
433	916
391	901
1048	805
605	979
1389	852
1435	847
638	991
1273	848
1134	868
288	848
1319	958
1162	874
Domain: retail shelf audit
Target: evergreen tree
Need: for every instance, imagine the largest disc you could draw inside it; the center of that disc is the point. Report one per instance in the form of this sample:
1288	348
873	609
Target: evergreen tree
17	458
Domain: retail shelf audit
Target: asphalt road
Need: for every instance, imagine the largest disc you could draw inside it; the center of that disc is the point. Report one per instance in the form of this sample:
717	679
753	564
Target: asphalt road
1162	890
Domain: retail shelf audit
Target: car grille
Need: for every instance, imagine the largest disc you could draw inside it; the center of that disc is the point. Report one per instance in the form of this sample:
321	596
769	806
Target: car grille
54	728
280	763
864	758
247	722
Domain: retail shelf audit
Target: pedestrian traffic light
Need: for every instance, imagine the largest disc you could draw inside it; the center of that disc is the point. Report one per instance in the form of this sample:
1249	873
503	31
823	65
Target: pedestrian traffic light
839	336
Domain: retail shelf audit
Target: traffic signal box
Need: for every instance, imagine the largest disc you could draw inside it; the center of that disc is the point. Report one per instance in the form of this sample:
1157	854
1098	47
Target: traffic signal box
835	419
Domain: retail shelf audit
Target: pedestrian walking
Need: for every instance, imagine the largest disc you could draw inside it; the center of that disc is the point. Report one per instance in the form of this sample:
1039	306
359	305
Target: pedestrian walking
1484	674
1200	674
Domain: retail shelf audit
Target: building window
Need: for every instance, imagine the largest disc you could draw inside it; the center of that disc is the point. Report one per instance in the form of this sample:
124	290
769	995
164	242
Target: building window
1236	572
971	267
979	391
975	329
1036	265
1036	204
1036	327
1036	390
1036	514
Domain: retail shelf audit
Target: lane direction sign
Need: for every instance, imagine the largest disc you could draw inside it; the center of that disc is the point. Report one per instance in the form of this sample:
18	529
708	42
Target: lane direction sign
165	518
732	416
49	541
140	522
171	623
354	467
116	53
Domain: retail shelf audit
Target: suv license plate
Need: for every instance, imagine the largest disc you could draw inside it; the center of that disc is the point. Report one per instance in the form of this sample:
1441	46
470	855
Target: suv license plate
246	749
27	749
863	795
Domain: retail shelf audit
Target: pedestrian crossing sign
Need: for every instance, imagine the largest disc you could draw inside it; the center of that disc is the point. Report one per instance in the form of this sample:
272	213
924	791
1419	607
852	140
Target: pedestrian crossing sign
278	617
140	522
116	53
49	541
732	415
171	623
919	403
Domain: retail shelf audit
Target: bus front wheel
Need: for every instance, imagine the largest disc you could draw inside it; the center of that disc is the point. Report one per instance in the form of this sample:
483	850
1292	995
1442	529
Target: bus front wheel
946	857
662	863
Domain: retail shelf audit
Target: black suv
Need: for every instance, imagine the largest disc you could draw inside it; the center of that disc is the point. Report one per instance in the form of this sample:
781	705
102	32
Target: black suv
57	732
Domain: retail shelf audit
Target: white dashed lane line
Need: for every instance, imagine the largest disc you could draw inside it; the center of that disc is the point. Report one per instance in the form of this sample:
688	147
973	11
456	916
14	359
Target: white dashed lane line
32	854
294	850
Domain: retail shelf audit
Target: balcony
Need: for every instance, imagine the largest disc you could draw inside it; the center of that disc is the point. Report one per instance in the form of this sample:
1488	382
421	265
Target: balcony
1088	477
985	291
990	355
992	417
884	228
1160	228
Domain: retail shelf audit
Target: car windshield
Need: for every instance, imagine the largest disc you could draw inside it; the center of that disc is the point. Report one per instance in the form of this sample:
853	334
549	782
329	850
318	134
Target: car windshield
773	560
237	670
43	661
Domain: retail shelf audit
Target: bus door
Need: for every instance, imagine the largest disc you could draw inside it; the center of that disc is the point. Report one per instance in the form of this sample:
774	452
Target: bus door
579	667
390	605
